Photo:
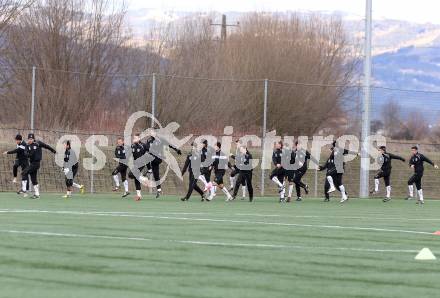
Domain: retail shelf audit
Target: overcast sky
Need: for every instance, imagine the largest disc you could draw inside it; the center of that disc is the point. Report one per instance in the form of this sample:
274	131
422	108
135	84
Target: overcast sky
421	11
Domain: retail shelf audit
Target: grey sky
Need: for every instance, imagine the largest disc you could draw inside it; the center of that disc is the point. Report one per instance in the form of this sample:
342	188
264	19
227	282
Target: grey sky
421	11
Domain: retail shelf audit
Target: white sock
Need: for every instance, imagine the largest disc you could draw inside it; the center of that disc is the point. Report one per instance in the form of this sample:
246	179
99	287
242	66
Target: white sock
283	193
275	179
116	178
388	191
23	185
342	189
244	191
69	192
376	185
411	190
125	185
76	185
213	191
420	191
37	190
138	193
232	180
290	190
203	179
226	192
330	180
214	188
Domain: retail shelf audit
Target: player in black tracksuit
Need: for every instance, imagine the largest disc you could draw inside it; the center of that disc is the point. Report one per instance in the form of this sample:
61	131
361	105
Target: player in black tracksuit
192	159
385	171
243	161
138	150
70	169
299	158
206	169
219	164
21	161
35	154
120	154
335	170
234	172
155	147
416	162
278	174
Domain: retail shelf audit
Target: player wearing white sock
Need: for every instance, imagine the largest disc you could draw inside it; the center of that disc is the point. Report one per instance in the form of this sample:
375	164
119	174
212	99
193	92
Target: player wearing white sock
35	154
333	176
70	169
416	162
219	164
384	172
244	164
21	161
121	169
278	174
138	149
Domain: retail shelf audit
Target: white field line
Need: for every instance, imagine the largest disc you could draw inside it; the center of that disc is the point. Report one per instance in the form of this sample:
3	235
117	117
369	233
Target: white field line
207	243
371	229
340	217
215	214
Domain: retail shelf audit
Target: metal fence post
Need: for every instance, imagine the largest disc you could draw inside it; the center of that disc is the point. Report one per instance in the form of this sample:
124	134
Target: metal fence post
33	98
92	175
153	99
365	157
263	153
316	183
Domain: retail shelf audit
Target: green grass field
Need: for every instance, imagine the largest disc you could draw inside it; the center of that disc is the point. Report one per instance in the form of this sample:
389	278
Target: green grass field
103	246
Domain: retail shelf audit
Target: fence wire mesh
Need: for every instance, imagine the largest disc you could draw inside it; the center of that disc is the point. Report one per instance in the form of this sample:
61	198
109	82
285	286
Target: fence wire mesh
85	104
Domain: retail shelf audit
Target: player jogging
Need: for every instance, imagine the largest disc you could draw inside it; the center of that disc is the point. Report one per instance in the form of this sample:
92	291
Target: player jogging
243	162
299	159
35	155
192	159
121	169
138	150
334	175
155	147
219	165
21	161
416	162
384	172
278	174
70	169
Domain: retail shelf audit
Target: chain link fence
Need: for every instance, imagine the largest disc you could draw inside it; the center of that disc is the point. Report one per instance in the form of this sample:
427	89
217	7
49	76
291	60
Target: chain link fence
85	104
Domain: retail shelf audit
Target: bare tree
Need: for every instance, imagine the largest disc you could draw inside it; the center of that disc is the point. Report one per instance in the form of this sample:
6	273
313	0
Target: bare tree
75	44
310	50
392	118
10	9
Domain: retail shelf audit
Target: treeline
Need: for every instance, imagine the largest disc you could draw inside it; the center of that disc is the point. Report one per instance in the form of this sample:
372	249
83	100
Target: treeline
79	46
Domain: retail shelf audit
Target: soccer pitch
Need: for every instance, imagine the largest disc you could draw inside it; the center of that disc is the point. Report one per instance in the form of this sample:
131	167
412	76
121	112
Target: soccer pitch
104	246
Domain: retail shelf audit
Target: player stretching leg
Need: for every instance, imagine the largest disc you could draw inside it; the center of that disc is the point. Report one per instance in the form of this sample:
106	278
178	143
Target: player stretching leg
244	164
138	150
35	154
385	171
300	157
416	162
277	175
333	179
121	168
70	169
21	161
155	147
219	165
